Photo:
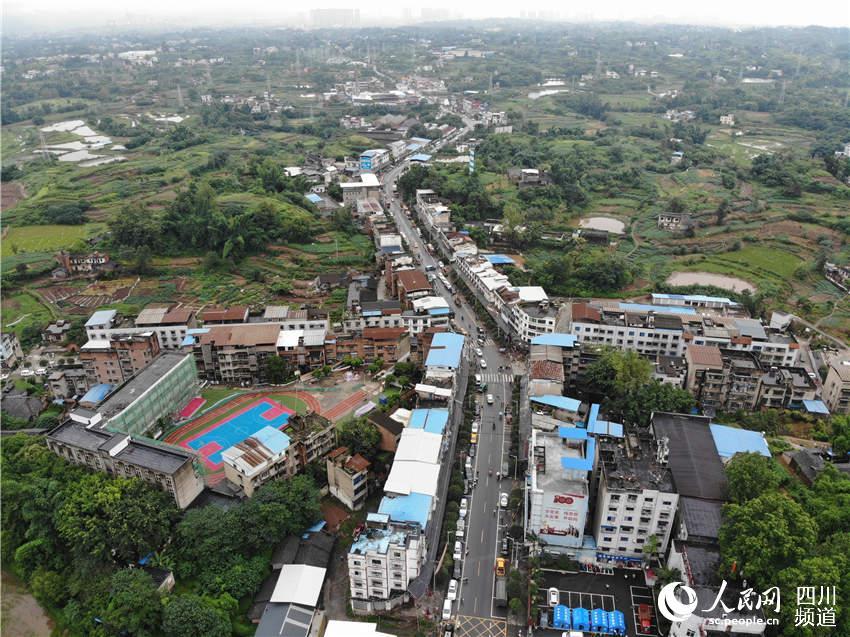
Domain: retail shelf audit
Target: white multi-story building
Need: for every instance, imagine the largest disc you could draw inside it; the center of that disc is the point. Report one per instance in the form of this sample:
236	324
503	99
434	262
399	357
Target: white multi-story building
10	350
836	387
636	500
170	324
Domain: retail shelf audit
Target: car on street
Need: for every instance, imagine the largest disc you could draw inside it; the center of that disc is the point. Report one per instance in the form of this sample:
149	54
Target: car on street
489	399
473	438
452	594
645	617
41	371
501	566
458	552
475	427
483	363
26	373
479	353
448	630
464	507
503	500
447	609
554	597
4	375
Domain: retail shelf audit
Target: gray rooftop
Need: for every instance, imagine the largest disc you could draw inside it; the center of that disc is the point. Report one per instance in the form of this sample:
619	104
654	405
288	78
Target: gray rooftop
285	620
127	393
701	517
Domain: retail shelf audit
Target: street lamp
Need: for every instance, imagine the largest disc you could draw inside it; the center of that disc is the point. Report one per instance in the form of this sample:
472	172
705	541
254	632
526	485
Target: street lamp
516	463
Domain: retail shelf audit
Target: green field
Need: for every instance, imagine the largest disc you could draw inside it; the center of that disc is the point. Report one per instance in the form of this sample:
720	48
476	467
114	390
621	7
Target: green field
45	238
23	309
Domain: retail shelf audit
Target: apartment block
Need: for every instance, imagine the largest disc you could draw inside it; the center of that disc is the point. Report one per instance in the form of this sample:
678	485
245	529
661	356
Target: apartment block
836	387
68	382
348	477
257	459
234	354
122	456
391	344
119	357
169	323
10	349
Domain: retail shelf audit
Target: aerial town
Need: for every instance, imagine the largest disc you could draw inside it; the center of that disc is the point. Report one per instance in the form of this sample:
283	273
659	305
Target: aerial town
460	328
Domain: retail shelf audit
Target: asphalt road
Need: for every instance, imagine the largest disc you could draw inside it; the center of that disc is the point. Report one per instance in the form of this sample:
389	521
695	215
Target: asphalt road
484	530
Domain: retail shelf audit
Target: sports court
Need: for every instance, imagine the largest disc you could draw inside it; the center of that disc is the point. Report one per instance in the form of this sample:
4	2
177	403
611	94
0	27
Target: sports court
235	427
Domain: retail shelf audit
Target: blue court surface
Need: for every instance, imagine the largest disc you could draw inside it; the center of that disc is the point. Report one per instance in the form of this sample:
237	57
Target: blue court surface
236	427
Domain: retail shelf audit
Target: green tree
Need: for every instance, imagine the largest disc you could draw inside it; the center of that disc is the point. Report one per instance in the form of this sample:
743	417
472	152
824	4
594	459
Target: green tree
191	616
360	436
278	509
134	603
765	535
48	587
277	370
749	475
840	436
812	571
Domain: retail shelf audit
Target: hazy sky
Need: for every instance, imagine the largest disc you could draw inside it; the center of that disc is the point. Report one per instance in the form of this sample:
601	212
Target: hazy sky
73	14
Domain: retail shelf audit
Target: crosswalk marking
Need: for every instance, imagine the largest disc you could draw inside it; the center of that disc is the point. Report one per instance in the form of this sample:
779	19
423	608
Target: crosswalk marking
496	377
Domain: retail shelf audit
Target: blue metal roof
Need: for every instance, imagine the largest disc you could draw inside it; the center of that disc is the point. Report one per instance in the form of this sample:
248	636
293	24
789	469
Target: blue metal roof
313	197
420	157
499	259
555	338
582	464
433	421
558	402
695	297
101	317
97	393
602	427
731	440
647	307
572	433
414	507
439	311
189	339
446	348
273	439
816	407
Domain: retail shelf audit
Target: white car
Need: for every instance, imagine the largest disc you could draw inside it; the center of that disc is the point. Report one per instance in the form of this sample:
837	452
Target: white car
554	597
503	500
452	594
447	610
464	507
26	373
483	363
479	353
458	553
489	399
41	371
475	427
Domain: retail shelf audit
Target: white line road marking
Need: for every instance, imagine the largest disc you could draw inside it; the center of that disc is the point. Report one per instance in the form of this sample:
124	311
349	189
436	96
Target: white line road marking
482	535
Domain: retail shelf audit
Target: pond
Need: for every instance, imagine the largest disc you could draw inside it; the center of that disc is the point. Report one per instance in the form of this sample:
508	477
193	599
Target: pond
723	281
609	224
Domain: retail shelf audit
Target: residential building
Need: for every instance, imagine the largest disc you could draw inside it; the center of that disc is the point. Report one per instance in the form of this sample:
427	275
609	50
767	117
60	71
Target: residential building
389	428
391	344
85	264
303	349
10	350
560	465
838	275
256	460
171	324
727	120
363	314
411	285
234	354
836	387
123	456
308	318
368	187
786	388
675	221
118	358
291	609
636	500
382	562
442	364
224	315
155	393
348	477
720	303
68	382
57	331
372	161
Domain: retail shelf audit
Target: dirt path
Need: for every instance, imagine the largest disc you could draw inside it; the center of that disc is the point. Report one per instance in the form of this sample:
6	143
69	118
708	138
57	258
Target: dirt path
21	614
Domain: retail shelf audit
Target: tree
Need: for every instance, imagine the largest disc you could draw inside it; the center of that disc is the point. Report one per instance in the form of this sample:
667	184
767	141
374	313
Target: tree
190	616
360	436
840	436
721	212
142	260
765	535
278	509
134	603
134	226
749	475
277	370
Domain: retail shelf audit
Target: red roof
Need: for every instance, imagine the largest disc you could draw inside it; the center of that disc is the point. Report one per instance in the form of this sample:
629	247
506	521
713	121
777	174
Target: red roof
357	463
384	333
235	313
583	312
412	280
708	355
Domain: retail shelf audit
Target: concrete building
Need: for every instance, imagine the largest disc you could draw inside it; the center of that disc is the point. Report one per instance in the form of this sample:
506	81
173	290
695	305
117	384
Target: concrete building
369	187
85	264
169	323
122	456
257	459
390	429
68	382
442	364
390	344
374	160
836	387
234	354
674	221
348	477
10	350
57	331
157	392
636	500
560	465
308	318
224	315
118	358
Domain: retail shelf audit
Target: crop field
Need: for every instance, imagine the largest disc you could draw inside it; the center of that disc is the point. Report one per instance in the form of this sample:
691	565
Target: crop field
45	238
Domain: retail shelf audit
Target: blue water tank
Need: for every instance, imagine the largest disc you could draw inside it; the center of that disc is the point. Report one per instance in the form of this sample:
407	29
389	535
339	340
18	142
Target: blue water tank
616	622
581	619
599	620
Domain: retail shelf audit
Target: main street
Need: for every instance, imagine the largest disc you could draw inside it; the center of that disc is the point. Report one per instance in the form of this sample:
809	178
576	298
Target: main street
484	520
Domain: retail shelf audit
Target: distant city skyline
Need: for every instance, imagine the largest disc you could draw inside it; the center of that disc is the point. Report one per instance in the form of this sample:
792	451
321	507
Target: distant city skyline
52	15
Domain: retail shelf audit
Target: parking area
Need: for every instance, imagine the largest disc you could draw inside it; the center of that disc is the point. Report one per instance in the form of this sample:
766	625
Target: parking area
643	595
623	590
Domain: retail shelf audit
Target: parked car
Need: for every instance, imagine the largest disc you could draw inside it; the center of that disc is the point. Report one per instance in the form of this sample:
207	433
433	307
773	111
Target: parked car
452	594
554	597
479	353
26	373
447	609
501	566
458	552
503	500
475	427
464	507
41	371
489	399
483	363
